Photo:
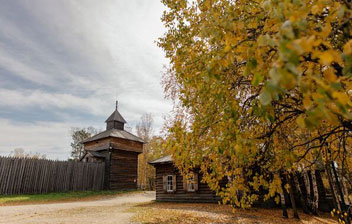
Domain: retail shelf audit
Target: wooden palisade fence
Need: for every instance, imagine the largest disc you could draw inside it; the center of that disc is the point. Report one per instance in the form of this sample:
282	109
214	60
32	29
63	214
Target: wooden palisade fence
32	176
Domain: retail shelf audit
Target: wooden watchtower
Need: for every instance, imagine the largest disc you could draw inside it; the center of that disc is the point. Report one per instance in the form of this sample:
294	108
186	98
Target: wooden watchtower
119	150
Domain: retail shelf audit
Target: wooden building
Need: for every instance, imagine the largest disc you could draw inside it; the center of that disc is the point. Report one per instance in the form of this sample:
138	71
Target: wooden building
119	149
172	186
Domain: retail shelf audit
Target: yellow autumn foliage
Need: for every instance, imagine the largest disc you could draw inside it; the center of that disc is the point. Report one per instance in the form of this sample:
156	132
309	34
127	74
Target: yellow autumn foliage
261	88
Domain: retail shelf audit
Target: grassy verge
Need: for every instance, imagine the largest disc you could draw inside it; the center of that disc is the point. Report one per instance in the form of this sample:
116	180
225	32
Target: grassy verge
56	197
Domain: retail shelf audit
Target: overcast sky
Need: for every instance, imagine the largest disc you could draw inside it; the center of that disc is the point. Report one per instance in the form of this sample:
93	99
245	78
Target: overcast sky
62	63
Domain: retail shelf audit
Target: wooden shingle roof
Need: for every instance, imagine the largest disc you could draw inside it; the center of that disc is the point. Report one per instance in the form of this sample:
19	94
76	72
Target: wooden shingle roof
116	116
164	159
116	133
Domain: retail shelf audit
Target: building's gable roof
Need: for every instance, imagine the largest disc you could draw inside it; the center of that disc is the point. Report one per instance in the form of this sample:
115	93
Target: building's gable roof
115	133
116	116
164	159
97	154
93	153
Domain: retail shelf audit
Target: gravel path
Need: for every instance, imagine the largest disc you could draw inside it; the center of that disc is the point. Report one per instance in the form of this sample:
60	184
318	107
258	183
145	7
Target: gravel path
113	210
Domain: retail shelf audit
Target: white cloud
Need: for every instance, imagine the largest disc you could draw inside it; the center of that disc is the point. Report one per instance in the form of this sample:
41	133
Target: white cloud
44	100
76	55
19	68
50	138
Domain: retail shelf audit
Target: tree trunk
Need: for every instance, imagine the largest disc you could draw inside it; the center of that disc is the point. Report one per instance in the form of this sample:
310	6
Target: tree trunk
292	197
347	199
332	188
315	203
282	195
307	185
338	185
145	168
300	194
345	191
283	204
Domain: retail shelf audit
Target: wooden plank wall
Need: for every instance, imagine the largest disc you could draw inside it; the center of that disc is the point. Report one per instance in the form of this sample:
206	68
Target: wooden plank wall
127	145
123	170
35	176
204	194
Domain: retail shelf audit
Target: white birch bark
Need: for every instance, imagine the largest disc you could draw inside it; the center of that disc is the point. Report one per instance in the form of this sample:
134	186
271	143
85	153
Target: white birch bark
307	185
315	191
333	187
345	191
283	204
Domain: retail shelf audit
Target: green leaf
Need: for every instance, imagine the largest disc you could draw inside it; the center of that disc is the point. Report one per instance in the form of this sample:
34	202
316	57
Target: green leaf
271	118
252	63
300	121
257	79
274	75
265	98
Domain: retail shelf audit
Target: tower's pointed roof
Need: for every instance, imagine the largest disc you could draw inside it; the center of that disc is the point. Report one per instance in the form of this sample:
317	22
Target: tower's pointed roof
116	116
114	129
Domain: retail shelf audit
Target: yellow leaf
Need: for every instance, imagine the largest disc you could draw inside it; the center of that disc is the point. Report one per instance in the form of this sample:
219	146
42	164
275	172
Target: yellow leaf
340	96
307	43
326	57
240	25
300	121
329	75
223	63
333	108
293	18
333	118
315	9
307	102
326	30
277	199
227	48
347	48
316	96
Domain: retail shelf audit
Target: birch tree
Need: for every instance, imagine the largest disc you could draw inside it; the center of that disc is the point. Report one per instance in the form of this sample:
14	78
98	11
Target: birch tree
259	87
78	135
145	131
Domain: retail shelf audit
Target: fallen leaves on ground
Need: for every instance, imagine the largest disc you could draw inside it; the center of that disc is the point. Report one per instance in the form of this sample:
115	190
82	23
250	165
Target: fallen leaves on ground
193	213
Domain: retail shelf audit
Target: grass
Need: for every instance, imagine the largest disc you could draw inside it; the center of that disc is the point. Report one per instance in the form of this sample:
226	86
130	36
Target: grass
193	213
56	197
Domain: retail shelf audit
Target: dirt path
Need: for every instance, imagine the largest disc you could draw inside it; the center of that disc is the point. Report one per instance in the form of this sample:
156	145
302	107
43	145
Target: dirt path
114	210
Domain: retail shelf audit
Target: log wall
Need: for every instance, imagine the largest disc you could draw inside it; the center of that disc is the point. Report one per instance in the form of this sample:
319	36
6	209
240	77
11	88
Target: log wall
204	194
123	170
35	176
117	143
127	145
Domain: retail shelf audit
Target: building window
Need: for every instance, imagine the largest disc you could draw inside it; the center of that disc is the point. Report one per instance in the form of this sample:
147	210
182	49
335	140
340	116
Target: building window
169	183
190	182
